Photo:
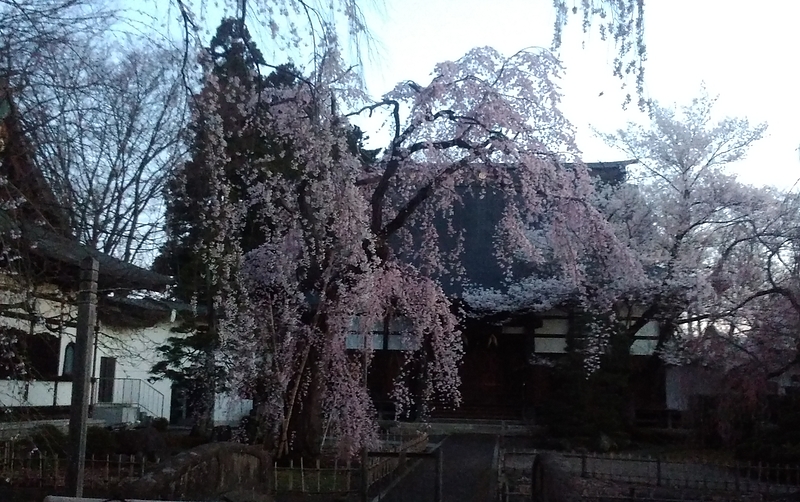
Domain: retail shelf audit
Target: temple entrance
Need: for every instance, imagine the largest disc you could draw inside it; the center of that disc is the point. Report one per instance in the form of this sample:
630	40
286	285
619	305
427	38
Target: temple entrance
493	376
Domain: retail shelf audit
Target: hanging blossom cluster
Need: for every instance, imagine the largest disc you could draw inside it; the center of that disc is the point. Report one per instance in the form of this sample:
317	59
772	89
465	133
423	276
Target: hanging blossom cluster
489	125
293	26
575	261
428	327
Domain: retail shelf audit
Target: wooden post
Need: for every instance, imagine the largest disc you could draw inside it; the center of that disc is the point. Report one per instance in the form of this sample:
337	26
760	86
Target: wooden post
335	471
364	475
658	471
302	476
437	487
79	410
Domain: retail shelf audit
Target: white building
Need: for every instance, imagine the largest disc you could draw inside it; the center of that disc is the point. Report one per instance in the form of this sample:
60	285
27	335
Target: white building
39	277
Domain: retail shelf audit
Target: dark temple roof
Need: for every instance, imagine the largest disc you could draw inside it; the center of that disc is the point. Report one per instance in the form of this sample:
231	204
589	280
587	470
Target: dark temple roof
23	179
57	259
477	217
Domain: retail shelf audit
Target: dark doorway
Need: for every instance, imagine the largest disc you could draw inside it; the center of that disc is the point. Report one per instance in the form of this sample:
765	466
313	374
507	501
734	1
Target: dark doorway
179	406
105	387
493	375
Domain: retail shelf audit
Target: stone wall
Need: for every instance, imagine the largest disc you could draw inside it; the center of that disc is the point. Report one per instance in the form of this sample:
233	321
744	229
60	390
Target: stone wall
206	473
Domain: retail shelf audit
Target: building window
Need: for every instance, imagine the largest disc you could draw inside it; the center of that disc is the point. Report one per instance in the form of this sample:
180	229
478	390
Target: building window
69	359
398	337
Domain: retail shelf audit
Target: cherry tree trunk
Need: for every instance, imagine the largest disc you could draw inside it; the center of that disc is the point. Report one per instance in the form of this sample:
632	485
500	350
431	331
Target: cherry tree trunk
306	424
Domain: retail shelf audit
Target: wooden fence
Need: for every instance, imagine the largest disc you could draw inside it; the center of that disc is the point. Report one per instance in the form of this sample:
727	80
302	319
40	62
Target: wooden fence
49	471
337	476
380	467
313	478
733	477
39	469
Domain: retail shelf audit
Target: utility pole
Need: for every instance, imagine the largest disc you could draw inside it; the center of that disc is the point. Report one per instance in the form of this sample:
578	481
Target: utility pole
79	411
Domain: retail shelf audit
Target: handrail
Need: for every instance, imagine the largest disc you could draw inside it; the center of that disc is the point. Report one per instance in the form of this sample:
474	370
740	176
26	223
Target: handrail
133	391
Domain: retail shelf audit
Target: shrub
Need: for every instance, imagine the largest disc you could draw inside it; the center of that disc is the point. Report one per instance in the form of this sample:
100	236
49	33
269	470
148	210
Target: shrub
144	440
49	439
769	452
101	441
161	424
182	442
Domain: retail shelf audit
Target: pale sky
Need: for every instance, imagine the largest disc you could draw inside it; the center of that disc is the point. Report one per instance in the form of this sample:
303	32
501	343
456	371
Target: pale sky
746	52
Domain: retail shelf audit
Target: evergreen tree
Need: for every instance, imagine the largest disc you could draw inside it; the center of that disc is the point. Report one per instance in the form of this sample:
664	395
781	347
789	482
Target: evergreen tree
189	360
234	56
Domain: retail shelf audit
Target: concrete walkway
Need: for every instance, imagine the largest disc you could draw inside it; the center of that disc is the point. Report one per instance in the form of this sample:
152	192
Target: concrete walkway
467	473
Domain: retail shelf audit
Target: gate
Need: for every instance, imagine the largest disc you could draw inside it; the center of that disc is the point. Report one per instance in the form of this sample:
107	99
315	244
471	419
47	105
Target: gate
404	482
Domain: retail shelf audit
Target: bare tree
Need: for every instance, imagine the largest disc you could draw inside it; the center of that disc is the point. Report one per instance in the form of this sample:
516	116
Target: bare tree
107	133
32	28
90	124
103	109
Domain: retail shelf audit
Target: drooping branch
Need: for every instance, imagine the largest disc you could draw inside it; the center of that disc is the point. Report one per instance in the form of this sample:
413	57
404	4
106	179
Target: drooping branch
420	197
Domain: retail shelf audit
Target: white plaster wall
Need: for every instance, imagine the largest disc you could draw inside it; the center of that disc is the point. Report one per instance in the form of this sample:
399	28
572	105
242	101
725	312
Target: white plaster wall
33	393
64	391
134	351
646	340
550	337
48	309
677	385
543	344
229	409
355	341
553	327
13	393
550	345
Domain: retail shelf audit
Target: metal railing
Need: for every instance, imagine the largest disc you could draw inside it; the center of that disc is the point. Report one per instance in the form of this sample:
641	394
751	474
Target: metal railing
16	393
739	477
130	391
